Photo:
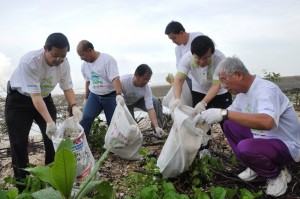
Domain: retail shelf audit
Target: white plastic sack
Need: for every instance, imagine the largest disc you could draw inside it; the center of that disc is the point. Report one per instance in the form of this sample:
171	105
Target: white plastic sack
124	130
182	144
186	96
85	158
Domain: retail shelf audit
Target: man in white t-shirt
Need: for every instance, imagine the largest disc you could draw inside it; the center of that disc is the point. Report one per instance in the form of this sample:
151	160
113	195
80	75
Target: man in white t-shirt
261	126
176	32
137	94
29	99
100	71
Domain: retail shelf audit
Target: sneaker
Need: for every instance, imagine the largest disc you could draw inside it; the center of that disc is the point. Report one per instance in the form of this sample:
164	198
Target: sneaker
248	175
277	186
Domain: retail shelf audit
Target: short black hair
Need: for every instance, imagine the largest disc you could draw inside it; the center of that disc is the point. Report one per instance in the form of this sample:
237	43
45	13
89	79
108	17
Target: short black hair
143	69
57	40
174	27
201	44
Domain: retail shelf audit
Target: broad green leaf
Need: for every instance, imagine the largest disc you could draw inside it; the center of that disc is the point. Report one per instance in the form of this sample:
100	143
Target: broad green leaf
218	192
43	173
12	193
24	196
231	193
48	193
104	190
65	144
63	171
3	194
199	194
150	192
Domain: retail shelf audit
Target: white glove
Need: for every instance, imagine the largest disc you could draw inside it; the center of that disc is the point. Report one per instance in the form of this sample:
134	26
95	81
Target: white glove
77	114
120	100
50	130
159	132
174	104
198	119
200	107
84	103
212	115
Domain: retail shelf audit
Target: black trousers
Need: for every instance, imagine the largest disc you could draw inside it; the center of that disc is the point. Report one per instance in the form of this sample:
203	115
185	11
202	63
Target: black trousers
19	116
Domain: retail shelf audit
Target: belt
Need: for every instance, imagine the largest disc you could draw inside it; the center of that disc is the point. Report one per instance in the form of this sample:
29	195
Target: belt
112	93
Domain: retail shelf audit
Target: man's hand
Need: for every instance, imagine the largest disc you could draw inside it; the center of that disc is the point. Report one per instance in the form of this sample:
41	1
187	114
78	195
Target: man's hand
50	130
159	132
120	100
174	104
77	114
200	107
212	115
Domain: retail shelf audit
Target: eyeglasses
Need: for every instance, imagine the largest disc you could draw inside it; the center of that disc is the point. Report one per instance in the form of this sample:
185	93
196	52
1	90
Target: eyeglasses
62	58
204	59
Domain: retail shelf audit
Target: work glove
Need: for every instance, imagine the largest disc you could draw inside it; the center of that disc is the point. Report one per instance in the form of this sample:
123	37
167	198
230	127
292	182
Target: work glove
212	115
77	114
198	119
84	103
120	100
200	107
51	130
159	132
174	104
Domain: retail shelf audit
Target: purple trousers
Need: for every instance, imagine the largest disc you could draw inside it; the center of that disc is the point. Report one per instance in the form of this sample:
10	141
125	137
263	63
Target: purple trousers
266	157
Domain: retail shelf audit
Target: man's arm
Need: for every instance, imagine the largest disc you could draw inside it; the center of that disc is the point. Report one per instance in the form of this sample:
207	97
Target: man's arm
87	90
41	107
117	84
70	96
177	85
212	92
260	121
152	116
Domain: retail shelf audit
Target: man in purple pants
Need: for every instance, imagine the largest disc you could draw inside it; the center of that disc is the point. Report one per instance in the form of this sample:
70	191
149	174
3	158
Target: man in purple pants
261	126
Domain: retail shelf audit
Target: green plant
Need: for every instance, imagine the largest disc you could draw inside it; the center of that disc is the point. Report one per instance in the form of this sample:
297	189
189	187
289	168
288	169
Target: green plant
272	76
97	135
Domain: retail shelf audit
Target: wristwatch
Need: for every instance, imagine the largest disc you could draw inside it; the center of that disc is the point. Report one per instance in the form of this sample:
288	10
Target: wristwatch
224	113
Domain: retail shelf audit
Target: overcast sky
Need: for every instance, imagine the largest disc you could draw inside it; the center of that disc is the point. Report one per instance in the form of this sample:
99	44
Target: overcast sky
264	34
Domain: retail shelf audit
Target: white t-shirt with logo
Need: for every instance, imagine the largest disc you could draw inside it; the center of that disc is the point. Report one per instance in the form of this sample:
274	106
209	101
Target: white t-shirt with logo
202	77
266	97
34	75
101	73
132	93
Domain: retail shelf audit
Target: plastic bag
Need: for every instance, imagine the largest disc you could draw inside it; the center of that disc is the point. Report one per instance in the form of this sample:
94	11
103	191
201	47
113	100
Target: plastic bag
124	133
182	144
85	159
186	96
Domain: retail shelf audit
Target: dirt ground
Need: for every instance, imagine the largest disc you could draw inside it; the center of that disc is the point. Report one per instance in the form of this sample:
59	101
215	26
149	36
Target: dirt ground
115	168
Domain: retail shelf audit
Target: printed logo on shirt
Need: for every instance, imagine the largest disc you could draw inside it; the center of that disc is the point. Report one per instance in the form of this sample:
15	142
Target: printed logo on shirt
95	79
46	86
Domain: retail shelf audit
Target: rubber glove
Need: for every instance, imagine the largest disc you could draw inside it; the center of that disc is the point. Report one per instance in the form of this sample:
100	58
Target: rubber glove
212	115
159	132
198	119
77	114
174	104
50	130
200	107
120	100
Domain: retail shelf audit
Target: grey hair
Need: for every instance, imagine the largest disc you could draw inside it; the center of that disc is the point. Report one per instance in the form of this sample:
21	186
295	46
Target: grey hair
231	65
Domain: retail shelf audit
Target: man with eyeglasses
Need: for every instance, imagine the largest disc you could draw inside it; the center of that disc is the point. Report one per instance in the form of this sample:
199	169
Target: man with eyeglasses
261	126
102	84
202	62
177	34
29	98
138	94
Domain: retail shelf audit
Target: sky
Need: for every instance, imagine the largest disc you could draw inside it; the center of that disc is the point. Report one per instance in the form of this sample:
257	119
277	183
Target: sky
264	34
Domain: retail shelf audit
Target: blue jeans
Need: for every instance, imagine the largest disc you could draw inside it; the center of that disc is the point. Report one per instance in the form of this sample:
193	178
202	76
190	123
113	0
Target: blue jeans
94	106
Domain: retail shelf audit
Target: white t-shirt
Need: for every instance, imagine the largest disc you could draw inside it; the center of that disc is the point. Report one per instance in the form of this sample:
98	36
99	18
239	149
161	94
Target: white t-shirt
183	49
34	75
266	97
202	77
100	74
132	93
